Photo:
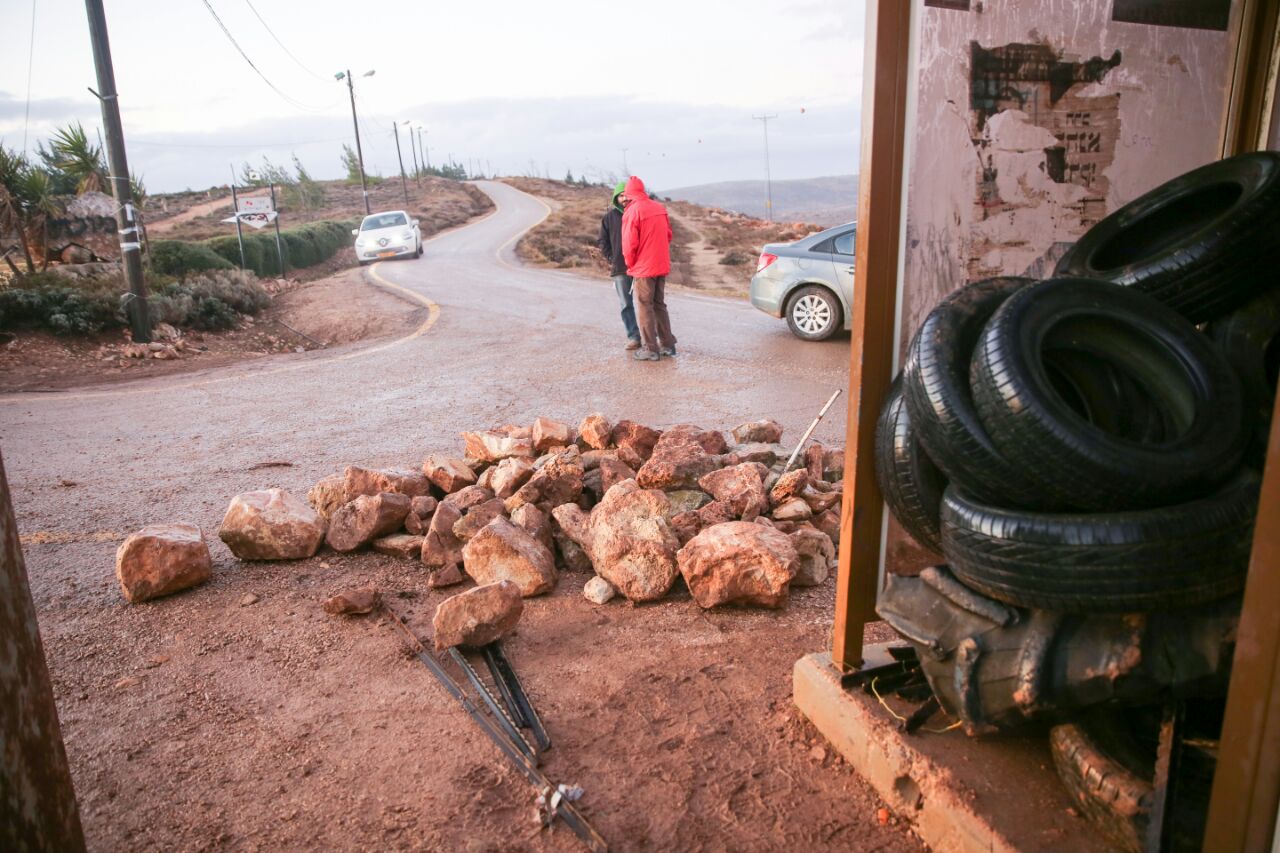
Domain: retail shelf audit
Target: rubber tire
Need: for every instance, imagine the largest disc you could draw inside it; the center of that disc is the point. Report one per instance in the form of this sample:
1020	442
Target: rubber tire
1076	464
936	388
1139	561
911	484
1202	244
833	305
420	251
1249	339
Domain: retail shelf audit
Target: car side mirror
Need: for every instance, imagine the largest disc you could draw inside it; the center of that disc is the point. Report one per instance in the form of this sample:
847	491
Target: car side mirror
415	223
355	232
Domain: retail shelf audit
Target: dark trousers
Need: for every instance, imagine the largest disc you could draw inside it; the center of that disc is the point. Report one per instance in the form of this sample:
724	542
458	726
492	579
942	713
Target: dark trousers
651	313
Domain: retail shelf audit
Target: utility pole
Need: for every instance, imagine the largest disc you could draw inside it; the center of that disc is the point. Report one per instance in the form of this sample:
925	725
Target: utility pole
426	154
768	177
364	185
126	216
413	150
403	184
235	209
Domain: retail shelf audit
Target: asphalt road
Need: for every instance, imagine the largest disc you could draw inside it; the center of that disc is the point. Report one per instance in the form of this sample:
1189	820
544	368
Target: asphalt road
503	343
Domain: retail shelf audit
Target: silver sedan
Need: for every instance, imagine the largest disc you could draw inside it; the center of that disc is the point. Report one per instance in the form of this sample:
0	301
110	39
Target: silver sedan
810	282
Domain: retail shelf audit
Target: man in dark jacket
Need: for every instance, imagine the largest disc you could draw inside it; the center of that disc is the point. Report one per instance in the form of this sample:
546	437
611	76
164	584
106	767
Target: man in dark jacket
646	247
610	244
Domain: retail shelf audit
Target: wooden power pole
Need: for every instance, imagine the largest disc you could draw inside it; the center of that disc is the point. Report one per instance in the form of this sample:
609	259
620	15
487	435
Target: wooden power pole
126	216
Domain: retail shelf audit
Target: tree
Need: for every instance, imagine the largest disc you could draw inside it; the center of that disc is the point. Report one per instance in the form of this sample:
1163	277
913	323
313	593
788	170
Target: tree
71	154
351	163
26	203
569	179
304	191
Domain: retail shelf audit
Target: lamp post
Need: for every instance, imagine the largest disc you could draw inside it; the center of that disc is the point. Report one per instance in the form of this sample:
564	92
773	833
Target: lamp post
351	89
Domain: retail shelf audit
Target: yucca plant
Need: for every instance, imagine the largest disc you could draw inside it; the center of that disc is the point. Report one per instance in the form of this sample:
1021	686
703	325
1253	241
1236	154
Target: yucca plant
79	159
26	203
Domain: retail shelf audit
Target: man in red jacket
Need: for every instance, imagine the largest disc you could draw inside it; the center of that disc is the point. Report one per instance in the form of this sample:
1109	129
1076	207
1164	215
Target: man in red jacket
646	248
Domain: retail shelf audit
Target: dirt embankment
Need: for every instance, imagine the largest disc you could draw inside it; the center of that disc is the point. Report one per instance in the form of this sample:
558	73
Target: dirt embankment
712	251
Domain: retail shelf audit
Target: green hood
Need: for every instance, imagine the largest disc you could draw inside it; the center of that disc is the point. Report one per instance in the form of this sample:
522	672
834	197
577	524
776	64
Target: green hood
617	191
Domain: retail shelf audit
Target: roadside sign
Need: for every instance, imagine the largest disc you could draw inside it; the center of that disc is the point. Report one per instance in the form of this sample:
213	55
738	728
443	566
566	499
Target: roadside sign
255	204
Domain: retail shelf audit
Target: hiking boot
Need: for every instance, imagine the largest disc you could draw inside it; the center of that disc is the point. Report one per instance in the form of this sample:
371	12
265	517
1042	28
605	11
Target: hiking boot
645	355
632	343
669	352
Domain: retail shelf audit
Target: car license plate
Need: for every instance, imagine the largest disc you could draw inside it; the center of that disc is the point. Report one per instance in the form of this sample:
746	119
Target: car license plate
386	254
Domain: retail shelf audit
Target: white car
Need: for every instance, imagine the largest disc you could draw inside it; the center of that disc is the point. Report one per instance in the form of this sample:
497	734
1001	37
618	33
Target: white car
387	235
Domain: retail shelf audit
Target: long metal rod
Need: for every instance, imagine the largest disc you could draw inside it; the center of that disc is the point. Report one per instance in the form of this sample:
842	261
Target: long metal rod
508	698
504	721
565	810
805	438
505	675
364	185
235	211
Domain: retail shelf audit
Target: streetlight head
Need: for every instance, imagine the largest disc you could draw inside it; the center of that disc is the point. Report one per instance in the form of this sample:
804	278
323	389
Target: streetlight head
341	75
369	73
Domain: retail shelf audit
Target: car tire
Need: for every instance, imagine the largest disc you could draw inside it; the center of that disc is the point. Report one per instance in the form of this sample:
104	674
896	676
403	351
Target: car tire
814	313
1249	339
1202	244
936	388
911	484
420	250
1143	560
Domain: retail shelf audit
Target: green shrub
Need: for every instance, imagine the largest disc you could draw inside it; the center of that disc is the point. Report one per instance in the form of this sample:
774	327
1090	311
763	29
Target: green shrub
303	246
174	257
60	307
211	314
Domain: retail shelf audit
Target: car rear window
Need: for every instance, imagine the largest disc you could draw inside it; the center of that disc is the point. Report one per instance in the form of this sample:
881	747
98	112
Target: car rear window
383	220
844	243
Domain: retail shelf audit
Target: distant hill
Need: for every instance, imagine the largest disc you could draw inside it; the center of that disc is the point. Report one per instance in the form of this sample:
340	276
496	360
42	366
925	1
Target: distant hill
824	201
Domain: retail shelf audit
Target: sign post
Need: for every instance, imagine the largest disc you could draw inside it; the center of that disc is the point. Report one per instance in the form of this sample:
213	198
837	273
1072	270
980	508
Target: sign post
276	219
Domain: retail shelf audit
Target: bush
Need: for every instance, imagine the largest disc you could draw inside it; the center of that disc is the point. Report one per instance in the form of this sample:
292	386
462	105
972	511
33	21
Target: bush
52	303
176	258
303	246
735	257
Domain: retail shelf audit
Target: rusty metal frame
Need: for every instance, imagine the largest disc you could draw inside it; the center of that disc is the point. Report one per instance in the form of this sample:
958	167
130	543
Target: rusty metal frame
875	292
1255	64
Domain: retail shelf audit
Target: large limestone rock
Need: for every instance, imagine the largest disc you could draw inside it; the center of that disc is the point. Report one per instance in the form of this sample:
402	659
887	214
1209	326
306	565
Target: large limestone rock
675	463
504	551
477	517
161	559
594	431
817	556
440	547
509	475
447	473
492	445
478	616
763	432
557	482
548	434
359	481
327	495
271	524
634	436
739	563
364	519
740	486
630	541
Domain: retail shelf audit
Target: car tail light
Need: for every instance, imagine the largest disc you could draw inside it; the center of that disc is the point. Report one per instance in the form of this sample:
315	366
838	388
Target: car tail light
765	259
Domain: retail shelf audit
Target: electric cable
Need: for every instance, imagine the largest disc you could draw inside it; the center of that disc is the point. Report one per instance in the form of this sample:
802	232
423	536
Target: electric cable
273	35
31	56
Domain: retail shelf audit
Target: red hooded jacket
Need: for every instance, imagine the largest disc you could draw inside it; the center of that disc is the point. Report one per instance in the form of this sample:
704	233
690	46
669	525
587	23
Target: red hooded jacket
646	233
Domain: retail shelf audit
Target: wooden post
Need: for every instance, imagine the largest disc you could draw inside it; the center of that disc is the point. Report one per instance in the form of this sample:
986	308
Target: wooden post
875	287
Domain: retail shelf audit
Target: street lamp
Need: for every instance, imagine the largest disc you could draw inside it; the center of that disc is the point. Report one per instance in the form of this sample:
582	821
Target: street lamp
364	185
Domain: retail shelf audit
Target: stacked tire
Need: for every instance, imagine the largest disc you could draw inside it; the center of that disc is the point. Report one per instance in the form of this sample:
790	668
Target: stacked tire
1090	443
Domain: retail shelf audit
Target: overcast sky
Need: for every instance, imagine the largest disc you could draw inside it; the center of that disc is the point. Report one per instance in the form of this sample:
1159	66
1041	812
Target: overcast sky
523	86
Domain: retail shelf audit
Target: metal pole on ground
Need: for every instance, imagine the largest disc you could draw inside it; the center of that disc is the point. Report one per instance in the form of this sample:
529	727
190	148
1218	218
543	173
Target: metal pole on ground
279	248
768	176
404	185
235	211
413	151
364	185
126	217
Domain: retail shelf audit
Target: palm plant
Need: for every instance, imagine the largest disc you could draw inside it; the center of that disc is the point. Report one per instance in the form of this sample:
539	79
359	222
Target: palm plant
78	159
26	204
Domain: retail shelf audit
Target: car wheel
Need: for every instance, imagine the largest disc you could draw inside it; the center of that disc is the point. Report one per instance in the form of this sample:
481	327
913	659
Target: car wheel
1075	461
1121	562
813	313
1202	243
911	484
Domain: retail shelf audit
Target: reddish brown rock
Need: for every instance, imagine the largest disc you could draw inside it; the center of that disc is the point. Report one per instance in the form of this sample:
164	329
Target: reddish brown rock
536	523
631	543
399	545
448	576
741	486
271	525
557	482
821	501
833	465
711	441
762	432
353	602
686	525
548	434
441	547
829	523
612	472
739	563
505	551
792	509
161	559
765	454
327	495
492	445
817	556
716	512
636	437
509	475
593	485
478	616
466	498
477	517
677	464
447	473
419	518
789	485
569	529
364	519
813	458
359	481
594	431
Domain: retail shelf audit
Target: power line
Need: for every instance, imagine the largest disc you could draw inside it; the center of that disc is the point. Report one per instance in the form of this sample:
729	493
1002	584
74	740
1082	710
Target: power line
31	57
246	58
235	144
282	47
